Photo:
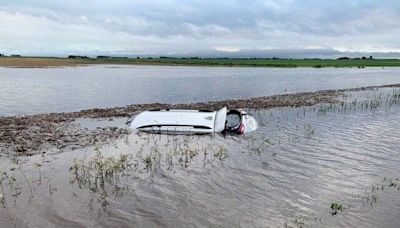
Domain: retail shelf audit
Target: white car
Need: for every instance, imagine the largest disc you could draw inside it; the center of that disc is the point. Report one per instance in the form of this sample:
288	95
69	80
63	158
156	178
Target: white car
177	121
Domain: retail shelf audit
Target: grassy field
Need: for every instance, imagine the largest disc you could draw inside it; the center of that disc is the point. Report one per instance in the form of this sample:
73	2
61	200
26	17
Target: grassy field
277	62
54	62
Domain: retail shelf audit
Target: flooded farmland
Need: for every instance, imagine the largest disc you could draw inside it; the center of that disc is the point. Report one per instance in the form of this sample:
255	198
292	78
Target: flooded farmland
68	89
328	164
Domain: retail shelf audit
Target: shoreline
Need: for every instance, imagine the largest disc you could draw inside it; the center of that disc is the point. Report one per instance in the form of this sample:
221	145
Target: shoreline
52	62
33	134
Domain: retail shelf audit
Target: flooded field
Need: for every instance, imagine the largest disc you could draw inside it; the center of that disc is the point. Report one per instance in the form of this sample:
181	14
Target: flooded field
326	165
43	90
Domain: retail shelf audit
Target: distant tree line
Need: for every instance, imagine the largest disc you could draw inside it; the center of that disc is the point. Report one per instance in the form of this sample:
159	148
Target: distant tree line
204	58
110	57
347	58
77	57
2	55
103	57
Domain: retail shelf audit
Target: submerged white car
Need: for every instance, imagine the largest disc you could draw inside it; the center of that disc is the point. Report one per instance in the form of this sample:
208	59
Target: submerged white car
177	121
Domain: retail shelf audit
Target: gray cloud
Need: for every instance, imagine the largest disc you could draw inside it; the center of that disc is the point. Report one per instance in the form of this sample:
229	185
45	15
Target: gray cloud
197	26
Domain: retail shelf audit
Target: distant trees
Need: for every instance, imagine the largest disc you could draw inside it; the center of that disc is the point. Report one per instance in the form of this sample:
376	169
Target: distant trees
347	58
120	57
3	55
103	57
110	57
77	57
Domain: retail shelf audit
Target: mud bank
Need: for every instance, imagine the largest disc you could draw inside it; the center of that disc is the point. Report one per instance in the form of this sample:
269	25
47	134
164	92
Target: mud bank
27	135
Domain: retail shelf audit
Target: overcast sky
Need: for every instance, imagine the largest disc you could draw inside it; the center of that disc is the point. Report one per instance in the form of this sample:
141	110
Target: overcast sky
179	27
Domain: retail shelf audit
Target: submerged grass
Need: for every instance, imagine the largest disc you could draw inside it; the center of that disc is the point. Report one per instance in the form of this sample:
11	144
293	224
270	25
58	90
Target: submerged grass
371	195
369	198
13	185
8	186
99	171
377	101
336	207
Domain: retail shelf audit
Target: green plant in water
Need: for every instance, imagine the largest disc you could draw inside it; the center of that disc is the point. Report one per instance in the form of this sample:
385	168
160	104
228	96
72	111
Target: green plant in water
99	171
373	103
309	130
303	221
2	178
299	223
2	200
148	161
336	207
370	197
10	183
221	153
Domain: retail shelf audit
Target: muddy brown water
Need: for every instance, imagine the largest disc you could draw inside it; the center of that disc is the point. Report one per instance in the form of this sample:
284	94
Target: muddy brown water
287	174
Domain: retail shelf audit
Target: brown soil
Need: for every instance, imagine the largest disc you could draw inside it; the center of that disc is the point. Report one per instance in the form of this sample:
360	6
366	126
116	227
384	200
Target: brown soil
33	134
48	62
39	62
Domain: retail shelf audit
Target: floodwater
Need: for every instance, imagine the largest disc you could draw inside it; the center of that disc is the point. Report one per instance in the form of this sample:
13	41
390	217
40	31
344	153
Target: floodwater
289	173
42	90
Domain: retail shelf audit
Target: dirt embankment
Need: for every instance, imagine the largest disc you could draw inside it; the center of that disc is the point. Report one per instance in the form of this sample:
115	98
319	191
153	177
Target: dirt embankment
34	134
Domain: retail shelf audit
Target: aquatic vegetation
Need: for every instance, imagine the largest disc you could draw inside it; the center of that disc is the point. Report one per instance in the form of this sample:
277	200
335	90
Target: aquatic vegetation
336	207
221	153
258	146
8	182
371	103
371	195
2	197
2	200
297	223
149	162
369	198
99	171
309	130
301	222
